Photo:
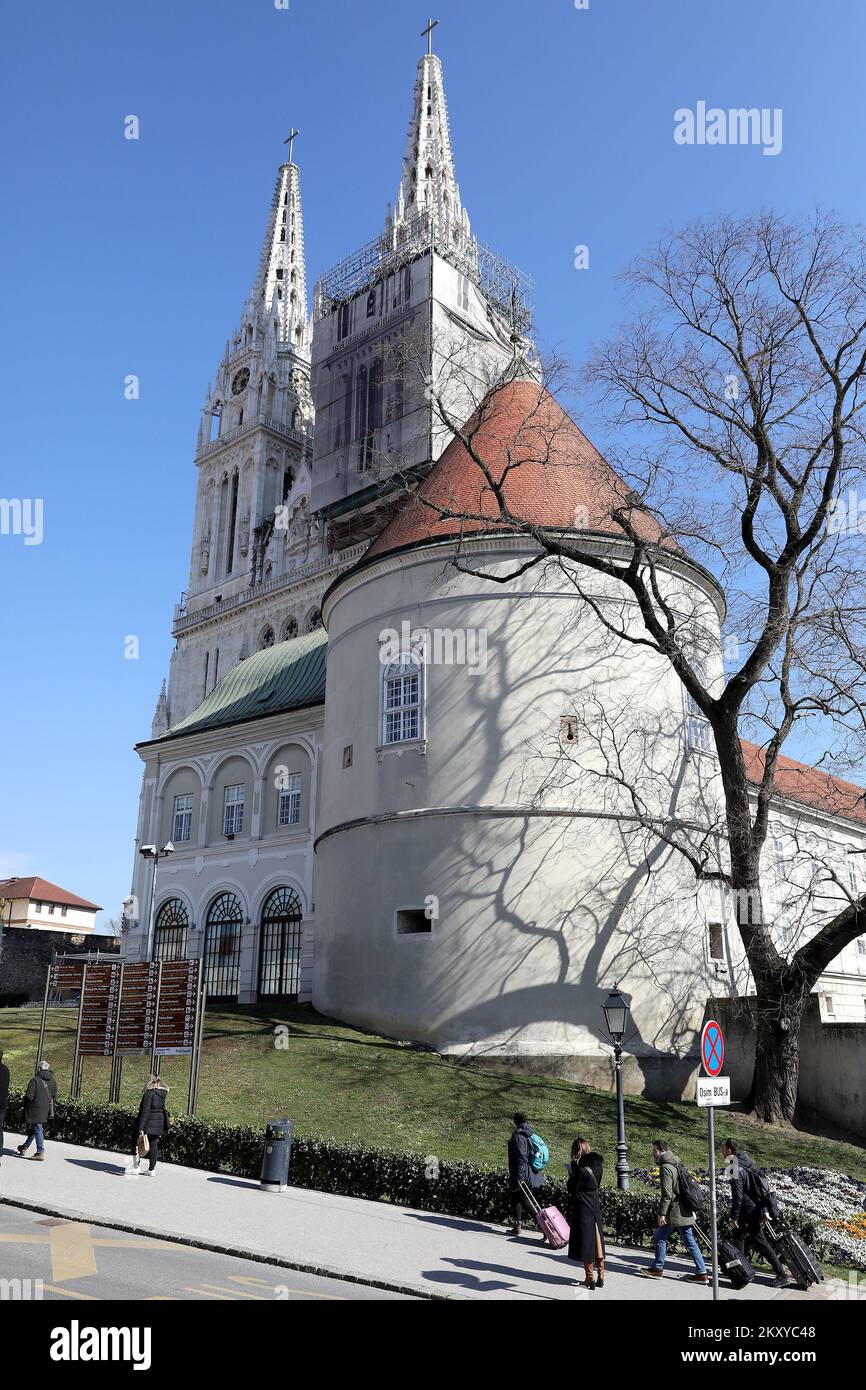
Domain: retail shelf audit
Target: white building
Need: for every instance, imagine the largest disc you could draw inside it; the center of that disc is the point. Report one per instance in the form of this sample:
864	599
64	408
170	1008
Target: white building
38	905
399	851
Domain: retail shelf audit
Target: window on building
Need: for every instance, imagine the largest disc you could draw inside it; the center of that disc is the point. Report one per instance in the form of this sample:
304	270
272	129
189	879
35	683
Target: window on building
716	940
267	638
37	907
63	911
861	945
700	734
343	321
314	620
170	931
50	909
401	703
829	1006
290	629
289	808
787	936
233	810
853	875
182	823
413	921
371	304
780	858
280	945
222	953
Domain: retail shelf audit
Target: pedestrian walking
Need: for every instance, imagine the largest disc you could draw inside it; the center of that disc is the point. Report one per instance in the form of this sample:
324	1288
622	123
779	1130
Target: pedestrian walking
749	1209
586	1243
39	1100
4	1099
527	1155
673	1216
152	1123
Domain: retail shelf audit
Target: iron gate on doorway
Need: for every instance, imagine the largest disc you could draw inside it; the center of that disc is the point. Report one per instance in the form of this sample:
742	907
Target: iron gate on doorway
280	946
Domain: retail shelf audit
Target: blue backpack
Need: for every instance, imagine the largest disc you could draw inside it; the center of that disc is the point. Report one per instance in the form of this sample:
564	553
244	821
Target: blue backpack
539	1154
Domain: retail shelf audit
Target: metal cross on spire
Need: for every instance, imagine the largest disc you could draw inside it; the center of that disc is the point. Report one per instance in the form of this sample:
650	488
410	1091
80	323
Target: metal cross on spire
290	140
428	32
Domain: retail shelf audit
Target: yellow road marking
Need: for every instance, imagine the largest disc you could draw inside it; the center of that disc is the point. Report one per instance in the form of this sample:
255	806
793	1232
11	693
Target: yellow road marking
224	1298
69	1293
25	1240
302	1293
72	1253
233	1293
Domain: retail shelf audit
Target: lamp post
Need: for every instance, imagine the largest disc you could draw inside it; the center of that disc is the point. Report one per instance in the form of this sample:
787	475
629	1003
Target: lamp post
615	1010
151	852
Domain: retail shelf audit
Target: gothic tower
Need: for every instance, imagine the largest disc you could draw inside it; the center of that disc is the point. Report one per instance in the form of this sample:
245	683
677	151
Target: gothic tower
410	332
252	535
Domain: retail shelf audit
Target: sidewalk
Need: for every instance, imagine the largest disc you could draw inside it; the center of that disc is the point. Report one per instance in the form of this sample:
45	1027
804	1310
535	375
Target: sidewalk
370	1242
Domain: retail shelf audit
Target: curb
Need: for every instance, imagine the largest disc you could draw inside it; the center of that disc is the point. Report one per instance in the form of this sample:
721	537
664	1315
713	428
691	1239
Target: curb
323	1271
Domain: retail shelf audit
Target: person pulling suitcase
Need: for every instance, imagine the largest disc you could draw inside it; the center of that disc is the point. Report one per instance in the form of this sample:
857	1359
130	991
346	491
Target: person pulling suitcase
750	1208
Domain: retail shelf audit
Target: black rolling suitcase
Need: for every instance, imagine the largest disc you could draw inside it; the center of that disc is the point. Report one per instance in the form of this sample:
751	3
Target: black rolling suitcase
732	1262
795	1253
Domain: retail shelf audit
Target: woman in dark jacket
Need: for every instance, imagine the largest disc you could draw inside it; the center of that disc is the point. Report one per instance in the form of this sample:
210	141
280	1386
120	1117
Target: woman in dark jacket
587	1238
153	1120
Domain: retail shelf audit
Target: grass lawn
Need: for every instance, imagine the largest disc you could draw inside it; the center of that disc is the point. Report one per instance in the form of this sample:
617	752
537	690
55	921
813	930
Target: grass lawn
338	1083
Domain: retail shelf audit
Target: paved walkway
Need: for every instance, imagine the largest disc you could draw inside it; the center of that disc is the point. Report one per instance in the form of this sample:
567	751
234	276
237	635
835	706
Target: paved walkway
371	1242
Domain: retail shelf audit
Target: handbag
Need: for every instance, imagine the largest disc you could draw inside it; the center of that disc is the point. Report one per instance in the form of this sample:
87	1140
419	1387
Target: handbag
46	1089
142	1147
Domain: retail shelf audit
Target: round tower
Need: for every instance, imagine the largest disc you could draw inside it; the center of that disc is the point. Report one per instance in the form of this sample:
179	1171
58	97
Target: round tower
483	874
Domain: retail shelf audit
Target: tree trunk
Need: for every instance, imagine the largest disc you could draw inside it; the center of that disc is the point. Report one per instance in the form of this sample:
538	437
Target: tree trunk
777	1053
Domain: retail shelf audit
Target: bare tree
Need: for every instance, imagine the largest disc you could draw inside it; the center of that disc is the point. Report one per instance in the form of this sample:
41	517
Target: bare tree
736	393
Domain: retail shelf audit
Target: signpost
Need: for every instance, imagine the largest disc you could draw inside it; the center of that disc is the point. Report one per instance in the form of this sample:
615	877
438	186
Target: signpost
130	1008
713	1090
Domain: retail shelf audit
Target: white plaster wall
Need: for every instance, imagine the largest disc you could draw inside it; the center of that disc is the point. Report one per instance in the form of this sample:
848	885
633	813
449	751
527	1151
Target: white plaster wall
537	913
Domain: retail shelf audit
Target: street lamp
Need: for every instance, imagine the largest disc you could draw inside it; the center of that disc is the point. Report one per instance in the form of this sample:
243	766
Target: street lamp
151	852
615	1010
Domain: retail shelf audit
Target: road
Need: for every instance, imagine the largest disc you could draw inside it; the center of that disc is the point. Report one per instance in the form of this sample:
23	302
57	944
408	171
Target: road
78	1262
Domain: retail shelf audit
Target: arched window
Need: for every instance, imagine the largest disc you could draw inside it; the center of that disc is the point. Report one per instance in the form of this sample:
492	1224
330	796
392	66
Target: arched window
222	953
402	701
290	629
169	935
267	638
280	946
314	620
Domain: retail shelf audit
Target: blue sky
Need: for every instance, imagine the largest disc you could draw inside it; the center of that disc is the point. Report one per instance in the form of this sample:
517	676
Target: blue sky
124	257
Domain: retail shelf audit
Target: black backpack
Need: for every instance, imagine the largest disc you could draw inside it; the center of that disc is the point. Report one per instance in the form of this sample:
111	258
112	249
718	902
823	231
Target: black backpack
690	1194
758	1189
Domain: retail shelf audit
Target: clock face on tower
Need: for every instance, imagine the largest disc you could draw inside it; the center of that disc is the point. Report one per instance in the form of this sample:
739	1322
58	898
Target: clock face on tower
240	381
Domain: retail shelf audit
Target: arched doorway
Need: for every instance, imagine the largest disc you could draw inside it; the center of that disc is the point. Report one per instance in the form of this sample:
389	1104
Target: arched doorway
280	946
170	932
222	952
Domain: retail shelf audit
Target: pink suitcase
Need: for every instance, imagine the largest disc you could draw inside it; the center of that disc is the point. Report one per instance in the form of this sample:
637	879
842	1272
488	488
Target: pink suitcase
549	1220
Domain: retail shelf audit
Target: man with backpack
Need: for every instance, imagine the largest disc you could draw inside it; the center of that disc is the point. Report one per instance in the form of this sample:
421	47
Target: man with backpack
527	1157
751	1203
38	1109
680	1202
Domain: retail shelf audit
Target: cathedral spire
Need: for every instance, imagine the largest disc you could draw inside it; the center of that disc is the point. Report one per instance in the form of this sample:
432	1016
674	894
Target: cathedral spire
280	288
428	182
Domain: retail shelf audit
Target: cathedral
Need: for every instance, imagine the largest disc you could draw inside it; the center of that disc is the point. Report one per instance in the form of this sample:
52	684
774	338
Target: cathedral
367	784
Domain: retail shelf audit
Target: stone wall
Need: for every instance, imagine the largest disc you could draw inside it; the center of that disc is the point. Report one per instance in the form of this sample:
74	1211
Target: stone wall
832	1070
27	954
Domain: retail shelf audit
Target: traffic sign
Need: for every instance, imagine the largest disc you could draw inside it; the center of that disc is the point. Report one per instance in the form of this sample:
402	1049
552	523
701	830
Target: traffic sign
712	1048
714	1090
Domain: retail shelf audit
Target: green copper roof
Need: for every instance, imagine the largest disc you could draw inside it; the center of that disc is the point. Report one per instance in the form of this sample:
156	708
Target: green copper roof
290	675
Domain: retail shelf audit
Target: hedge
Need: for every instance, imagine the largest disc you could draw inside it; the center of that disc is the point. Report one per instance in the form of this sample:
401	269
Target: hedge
447	1186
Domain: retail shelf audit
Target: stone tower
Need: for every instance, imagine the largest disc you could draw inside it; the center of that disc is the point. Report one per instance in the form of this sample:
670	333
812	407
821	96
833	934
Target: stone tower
410	332
252	534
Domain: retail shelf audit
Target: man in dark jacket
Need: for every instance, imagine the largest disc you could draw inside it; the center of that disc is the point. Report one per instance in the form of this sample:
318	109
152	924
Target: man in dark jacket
39	1101
4	1098
520	1169
747	1214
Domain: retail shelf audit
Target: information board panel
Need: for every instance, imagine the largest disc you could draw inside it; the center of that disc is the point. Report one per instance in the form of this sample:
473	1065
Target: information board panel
136	1013
176	1023
98	1019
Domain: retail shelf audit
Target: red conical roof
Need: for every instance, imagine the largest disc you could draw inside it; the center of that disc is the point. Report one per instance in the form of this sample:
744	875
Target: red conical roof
549	473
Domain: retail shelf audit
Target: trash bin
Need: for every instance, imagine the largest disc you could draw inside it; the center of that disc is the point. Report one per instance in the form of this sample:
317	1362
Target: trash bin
277	1154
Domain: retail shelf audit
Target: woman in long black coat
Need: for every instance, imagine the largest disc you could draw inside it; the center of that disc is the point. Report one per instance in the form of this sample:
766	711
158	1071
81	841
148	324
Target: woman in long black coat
587	1237
153	1120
